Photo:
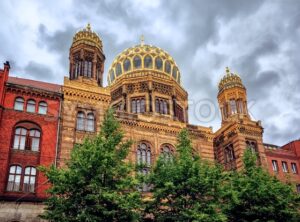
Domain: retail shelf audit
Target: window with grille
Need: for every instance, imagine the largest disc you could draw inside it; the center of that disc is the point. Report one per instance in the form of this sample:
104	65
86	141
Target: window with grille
127	65
161	106
137	63
167	153
90	126
229	153
27	139
34	139
14	178
158	63
20	138
148	62
167	67
144	162
233	108
80	121
138	105
29	179
42	108
30	106
179	113
118	69
19	104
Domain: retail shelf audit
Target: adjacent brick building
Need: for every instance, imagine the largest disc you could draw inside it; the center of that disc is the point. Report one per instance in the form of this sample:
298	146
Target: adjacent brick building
29	126
284	162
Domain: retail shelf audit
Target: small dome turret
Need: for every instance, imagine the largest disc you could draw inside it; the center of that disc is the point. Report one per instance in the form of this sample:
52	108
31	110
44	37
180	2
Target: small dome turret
87	36
230	80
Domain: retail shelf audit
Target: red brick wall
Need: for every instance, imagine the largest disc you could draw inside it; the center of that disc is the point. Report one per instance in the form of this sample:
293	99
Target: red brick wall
47	151
288	156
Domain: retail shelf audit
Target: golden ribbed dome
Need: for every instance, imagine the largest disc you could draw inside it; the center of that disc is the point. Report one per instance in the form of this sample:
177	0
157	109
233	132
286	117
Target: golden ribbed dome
143	57
87	36
230	80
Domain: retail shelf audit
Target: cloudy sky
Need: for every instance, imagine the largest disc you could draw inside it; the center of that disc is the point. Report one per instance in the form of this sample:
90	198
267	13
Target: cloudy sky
260	40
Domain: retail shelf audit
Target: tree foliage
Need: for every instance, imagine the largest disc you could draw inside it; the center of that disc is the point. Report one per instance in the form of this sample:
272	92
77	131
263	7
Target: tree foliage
186	188
254	195
97	184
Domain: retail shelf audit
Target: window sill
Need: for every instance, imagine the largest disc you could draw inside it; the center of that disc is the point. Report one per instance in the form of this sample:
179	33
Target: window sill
85	131
25	151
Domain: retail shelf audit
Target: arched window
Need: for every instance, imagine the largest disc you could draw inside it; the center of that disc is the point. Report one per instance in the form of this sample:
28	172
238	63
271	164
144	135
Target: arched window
30	106
118	69
167	67
29	179
80	121
77	66
240	106
14	178
144	160
161	106
229	154
174	73
138	105
229	158
87	71
42	108
34	139
76	69
90	122
144	154
112	75
167	153
252	146
133	106
158	63
26	137
20	138
19	104
233	106
137	63
127	65
148	62
179	113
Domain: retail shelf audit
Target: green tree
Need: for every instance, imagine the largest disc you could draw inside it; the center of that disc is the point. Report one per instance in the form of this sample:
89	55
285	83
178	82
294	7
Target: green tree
185	188
98	183
254	195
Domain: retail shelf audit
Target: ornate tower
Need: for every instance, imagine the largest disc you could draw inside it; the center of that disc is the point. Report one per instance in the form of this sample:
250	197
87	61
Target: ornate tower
84	101
86	56
232	98
238	132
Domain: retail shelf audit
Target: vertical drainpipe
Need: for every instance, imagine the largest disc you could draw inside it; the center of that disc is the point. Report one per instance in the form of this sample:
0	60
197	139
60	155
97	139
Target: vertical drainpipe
58	131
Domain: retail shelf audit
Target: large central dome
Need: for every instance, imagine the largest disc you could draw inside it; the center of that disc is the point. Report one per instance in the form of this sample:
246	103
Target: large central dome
143	57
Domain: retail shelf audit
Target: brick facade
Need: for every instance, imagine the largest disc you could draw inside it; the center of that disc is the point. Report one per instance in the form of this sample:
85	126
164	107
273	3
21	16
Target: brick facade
25	156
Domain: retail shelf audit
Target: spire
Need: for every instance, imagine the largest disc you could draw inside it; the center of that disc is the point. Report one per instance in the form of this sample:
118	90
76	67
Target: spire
88	27
142	39
227	70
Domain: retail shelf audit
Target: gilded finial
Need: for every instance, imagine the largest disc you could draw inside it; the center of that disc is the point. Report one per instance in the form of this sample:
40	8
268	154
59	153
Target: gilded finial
88	27
227	70
142	39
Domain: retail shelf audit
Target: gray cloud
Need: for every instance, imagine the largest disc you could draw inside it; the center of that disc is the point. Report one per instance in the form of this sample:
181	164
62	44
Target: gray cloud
39	71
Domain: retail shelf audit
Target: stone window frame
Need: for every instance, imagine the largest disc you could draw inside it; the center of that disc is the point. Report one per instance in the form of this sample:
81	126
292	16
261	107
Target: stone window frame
85	120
